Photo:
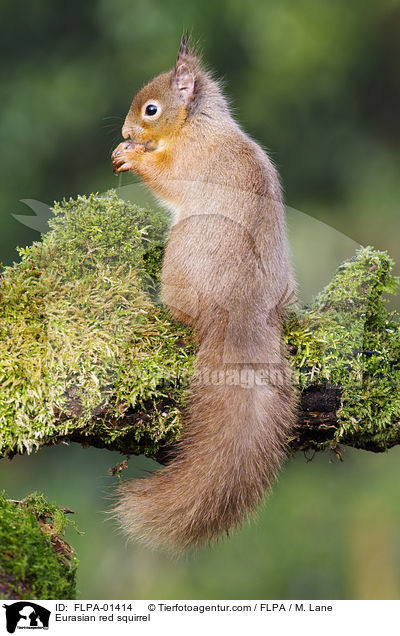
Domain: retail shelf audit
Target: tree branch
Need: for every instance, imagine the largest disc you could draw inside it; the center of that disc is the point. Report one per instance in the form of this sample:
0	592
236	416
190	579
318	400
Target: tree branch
89	355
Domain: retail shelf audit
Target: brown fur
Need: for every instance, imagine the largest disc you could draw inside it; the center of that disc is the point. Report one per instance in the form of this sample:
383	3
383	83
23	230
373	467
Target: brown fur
226	273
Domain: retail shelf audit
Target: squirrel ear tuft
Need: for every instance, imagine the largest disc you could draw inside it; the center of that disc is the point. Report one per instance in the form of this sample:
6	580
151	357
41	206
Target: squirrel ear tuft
184	83
184	48
187	69
187	52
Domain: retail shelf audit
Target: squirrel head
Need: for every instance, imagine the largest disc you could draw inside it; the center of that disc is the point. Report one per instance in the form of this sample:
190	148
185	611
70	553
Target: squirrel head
169	101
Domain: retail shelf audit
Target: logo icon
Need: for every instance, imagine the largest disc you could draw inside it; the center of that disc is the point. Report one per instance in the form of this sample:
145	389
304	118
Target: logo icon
26	615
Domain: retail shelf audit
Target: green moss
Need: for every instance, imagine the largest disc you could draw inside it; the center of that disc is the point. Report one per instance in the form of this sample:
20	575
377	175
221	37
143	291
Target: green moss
35	561
349	339
82	340
88	352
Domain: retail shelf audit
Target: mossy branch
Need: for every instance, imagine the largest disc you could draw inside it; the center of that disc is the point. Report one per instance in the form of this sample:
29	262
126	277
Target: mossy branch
35	560
88	354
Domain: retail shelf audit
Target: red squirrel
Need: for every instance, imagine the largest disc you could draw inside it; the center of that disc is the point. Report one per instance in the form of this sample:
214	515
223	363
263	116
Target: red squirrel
226	273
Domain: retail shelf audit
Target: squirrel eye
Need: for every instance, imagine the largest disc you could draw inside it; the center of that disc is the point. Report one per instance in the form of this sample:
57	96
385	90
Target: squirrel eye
151	110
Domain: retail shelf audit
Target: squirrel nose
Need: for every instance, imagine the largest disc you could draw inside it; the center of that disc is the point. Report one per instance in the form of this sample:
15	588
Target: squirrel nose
130	130
127	129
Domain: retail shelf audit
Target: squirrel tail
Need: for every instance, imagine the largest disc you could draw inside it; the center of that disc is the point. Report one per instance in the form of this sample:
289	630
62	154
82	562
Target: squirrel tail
227	459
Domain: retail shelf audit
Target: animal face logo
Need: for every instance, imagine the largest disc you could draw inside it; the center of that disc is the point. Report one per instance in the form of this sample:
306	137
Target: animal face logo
26	615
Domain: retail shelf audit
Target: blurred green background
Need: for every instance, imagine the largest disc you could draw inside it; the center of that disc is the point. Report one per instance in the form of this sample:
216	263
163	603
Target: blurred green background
318	84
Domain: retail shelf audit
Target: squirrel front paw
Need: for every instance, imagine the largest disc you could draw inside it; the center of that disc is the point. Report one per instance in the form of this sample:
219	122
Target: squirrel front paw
123	155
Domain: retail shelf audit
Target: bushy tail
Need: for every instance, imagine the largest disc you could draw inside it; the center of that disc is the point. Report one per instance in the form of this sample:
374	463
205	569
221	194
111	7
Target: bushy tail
238	421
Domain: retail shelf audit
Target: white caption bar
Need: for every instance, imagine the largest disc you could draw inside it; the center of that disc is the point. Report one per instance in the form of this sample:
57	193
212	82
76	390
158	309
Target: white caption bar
183	617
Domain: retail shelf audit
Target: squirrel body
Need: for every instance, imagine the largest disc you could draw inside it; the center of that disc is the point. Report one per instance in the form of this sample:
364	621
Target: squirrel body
226	273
